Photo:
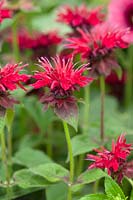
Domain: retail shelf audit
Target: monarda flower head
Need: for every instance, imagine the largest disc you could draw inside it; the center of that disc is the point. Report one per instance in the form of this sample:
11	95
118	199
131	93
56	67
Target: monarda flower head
120	14
10	79
80	17
4	13
61	77
113	161
98	46
41	44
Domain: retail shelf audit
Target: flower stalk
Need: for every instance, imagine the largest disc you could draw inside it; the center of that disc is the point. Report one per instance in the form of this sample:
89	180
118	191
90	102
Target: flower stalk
69	145
4	157
9	120
129	82
102	88
85	125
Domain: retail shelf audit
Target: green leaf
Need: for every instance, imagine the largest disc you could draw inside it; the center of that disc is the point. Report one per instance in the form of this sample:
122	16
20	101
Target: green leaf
35	110
119	73
26	179
30	157
95	197
57	191
52	172
112	189
48	23
82	144
88	177
9	118
15	192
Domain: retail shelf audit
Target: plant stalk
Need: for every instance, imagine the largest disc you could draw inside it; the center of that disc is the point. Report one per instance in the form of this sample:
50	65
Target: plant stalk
102	88
85	126
69	146
4	157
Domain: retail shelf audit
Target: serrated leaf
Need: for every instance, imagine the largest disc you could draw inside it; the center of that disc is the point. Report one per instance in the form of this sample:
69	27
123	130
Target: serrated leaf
26	179
52	172
82	144
94	197
29	157
88	177
15	192
113	189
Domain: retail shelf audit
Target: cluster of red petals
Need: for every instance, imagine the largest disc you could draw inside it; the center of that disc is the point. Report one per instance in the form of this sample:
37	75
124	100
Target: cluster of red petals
38	40
113	161
80	16
10	77
4	13
99	42
61	76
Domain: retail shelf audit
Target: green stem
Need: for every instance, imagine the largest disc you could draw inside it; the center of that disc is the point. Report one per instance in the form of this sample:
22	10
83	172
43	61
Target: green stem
9	120
85	126
129	82
9	147
95	186
102	88
69	146
86	109
4	157
49	145
15	39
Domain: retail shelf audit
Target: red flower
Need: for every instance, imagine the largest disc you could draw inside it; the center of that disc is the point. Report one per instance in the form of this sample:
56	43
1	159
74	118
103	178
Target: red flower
4	13
97	46
10	77
80	16
62	79
41	44
115	160
122	12
37	40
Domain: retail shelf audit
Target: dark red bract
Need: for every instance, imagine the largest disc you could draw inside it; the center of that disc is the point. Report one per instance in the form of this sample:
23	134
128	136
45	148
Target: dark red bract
113	161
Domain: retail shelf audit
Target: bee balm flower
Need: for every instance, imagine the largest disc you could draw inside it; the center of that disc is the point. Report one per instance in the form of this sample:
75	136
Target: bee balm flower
80	16
113	161
62	79
4	13
98	46
122	12
10	78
